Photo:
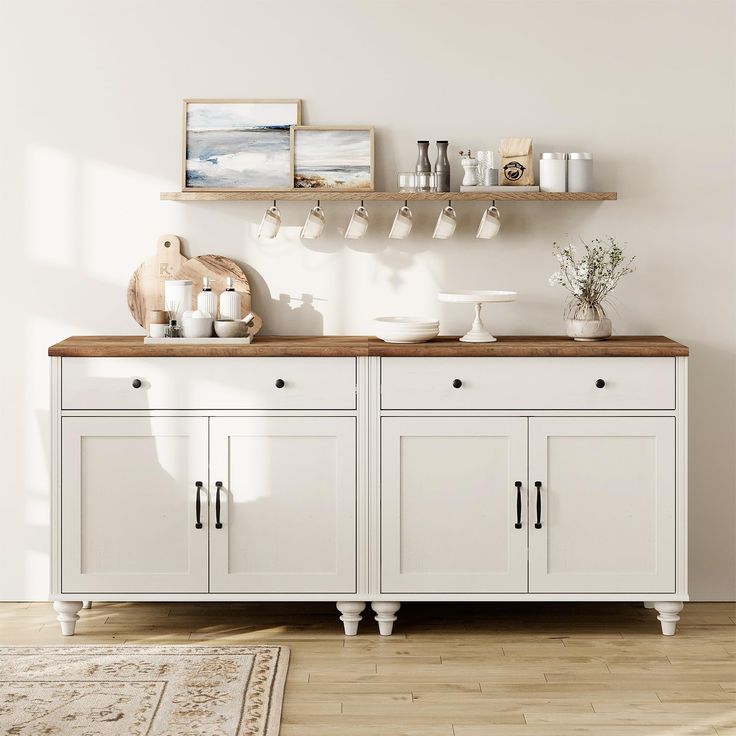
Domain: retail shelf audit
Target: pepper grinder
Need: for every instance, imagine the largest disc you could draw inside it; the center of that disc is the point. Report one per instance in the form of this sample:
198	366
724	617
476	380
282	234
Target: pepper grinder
423	166
442	168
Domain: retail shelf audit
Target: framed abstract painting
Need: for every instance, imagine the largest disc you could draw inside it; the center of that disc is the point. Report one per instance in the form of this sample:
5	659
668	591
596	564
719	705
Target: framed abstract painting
232	145
333	158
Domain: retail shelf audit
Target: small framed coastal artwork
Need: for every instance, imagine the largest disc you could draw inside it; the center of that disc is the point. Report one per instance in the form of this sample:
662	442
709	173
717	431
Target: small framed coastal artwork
332	158
234	145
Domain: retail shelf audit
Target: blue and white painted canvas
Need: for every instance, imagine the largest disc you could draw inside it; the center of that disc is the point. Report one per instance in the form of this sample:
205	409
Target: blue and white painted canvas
326	158
239	144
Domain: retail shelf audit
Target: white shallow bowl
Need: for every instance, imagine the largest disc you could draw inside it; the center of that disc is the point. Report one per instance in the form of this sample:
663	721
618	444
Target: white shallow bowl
405	329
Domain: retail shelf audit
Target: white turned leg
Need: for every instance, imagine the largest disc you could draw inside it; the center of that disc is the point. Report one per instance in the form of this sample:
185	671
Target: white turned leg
351	617
67	615
87	604
648	604
385	615
668	615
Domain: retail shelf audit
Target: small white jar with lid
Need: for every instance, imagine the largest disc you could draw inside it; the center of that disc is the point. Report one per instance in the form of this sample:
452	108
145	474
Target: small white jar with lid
579	172
552	172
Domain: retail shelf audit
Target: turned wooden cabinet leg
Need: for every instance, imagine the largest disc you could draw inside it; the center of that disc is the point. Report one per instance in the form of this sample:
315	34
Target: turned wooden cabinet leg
648	604
351	617
385	615
668	615
87	604
67	615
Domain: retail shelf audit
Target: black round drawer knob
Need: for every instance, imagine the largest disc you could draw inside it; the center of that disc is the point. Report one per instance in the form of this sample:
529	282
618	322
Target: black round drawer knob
600	383
457	383
280	383
137	383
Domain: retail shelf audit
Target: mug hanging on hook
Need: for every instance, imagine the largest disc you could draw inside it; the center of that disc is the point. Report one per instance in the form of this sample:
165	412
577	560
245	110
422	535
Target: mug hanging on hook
270	224
490	223
314	225
446	223
358	224
402	223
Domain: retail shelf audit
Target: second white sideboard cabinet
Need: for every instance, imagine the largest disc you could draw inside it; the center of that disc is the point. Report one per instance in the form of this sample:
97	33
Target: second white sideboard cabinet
350	470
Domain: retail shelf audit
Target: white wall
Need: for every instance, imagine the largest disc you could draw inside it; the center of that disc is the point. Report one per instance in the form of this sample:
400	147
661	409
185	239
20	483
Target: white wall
91	133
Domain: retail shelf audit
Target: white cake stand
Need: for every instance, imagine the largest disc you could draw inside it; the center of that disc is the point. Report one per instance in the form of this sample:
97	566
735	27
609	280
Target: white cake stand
478	332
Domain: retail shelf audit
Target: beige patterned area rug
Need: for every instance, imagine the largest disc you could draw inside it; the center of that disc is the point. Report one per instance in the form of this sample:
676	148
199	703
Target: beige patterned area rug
142	691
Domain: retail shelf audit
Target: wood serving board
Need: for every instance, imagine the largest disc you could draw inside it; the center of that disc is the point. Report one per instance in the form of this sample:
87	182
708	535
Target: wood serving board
146	286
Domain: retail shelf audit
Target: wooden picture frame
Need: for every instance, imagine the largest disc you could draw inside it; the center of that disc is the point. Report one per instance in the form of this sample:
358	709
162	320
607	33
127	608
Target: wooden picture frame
215	178
307	176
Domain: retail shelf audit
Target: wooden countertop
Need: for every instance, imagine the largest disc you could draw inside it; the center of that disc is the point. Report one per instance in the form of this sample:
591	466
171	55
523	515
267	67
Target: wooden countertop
276	346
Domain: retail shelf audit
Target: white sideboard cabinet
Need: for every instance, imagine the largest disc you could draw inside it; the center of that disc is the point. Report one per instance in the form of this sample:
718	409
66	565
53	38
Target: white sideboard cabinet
353	471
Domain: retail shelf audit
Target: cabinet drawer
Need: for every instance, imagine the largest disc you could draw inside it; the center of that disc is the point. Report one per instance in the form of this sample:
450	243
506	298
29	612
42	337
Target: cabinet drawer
208	383
527	383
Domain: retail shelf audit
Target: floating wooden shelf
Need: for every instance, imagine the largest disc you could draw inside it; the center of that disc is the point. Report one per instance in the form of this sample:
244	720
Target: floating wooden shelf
307	195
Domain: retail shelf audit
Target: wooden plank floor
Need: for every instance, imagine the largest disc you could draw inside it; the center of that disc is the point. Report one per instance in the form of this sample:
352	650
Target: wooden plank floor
455	669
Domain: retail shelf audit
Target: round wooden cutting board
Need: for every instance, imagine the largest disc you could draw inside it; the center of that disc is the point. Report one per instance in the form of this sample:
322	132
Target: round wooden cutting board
146	286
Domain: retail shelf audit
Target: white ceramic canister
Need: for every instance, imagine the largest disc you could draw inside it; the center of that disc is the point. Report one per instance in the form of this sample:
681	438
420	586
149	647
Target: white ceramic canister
177	297
230	302
580	172
207	299
552	172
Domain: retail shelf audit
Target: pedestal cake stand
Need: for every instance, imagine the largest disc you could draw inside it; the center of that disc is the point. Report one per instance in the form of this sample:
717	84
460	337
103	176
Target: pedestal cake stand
478	332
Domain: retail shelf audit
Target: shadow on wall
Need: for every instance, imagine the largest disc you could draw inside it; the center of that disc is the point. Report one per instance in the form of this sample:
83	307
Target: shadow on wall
287	315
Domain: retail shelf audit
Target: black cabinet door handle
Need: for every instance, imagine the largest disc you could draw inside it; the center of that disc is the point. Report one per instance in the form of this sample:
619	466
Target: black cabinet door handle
457	383
198	525
280	383
600	383
218	523
518	505
538	484
137	383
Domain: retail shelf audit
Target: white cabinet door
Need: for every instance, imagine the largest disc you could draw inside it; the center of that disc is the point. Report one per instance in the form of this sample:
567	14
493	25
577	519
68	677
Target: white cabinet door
287	505
128	505
607	499
449	505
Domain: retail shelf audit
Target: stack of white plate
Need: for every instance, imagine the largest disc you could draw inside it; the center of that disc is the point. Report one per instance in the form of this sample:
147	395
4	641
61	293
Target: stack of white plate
406	329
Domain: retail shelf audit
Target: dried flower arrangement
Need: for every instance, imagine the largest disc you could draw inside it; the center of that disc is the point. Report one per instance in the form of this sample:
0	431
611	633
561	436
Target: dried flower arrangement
591	276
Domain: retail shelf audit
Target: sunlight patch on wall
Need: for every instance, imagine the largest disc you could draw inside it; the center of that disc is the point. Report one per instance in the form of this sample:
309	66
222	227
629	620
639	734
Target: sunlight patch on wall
51	206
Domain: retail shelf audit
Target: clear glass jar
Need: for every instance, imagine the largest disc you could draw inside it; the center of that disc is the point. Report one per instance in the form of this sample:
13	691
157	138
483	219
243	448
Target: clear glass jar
426	181
407	181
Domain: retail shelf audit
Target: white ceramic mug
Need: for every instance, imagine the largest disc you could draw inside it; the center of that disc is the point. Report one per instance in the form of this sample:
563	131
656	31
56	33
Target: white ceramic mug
358	224
270	223
446	223
490	223
402	224
157	330
314	224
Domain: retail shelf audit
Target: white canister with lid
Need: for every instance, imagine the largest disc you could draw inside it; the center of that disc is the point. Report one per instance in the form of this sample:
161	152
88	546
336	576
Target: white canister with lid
177	297
552	172
579	172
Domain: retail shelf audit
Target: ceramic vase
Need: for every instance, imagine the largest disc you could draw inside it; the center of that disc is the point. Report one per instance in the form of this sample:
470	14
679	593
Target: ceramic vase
588	325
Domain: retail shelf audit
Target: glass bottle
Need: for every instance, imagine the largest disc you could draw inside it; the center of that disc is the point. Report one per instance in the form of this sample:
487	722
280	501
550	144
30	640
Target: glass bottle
442	168
173	330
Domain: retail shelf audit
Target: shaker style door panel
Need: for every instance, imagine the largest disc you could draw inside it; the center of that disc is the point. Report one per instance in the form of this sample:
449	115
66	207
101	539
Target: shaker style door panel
449	505
607	499
287	505
128	505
